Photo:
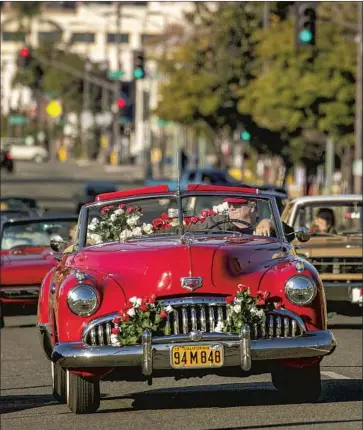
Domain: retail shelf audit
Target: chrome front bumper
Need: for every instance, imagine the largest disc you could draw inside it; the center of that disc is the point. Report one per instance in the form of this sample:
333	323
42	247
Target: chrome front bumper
154	354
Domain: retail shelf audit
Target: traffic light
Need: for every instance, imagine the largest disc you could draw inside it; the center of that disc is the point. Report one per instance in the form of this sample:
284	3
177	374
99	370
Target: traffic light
24	57
245	136
138	69
305	24
121	103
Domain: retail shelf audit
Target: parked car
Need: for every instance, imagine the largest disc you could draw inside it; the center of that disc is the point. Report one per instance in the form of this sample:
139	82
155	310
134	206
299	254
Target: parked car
140	296
90	190
19	150
26	257
336	254
6	160
28	204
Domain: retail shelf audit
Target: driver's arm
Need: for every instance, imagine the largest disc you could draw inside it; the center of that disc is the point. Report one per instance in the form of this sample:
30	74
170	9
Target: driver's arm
267	228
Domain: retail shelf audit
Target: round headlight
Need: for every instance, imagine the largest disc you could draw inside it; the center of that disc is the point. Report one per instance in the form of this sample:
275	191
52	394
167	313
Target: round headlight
83	300
300	290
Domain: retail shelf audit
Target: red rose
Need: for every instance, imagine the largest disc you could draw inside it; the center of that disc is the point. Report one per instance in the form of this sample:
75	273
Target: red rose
204	214
151	300
138	209
116	320
115	330
201	219
165	226
125	317
130	209
187	220
194	219
164	217
163	314
143	308
265	295
105	209
122	206
261	302
229	300
157	223
211	212
278	305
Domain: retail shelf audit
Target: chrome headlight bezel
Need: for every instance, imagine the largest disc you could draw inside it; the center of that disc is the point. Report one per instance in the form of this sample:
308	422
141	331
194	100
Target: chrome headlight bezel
295	284
89	293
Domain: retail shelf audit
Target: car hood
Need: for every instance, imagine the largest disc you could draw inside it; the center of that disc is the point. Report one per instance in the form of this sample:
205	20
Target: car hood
330	246
26	269
148	267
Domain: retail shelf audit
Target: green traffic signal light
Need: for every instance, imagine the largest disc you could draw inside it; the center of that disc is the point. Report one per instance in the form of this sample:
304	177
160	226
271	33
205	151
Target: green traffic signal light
245	135
139	73
305	36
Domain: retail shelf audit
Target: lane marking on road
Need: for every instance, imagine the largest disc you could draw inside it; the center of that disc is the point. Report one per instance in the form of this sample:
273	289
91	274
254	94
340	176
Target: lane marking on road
334	375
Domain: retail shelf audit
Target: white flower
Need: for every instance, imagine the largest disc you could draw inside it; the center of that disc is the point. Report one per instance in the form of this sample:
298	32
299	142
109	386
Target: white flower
115	341
222	208
137	231
254	310
132	220
125	234
215	209
174	223
225	206
261	314
113	217
237	309
95	221
135	301
169	309
148	228
219	327
131	312
119	211
96	238
92	227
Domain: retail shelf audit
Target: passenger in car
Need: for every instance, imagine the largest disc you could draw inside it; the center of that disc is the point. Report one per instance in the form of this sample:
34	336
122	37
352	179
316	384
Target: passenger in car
324	222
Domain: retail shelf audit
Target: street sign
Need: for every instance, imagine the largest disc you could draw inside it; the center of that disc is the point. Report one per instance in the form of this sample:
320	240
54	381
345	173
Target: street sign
118	74
54	109
17	120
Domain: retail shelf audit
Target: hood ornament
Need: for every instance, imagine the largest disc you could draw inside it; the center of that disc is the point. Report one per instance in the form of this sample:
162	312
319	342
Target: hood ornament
191	284
187	238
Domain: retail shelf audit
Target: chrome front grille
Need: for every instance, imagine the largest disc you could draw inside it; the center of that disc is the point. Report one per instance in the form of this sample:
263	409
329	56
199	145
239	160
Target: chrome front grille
204	314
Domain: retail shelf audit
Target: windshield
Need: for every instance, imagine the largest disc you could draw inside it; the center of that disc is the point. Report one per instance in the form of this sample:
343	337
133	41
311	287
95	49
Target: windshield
331	218
149	217
35	233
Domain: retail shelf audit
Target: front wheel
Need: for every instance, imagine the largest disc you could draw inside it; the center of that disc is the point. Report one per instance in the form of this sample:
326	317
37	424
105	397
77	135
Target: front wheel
301	385
59	383
83	395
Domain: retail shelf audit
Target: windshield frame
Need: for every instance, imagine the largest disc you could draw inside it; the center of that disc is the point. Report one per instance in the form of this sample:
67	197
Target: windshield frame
83	216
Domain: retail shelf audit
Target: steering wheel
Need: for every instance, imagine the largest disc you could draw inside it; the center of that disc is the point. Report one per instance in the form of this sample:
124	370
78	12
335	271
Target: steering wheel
247	224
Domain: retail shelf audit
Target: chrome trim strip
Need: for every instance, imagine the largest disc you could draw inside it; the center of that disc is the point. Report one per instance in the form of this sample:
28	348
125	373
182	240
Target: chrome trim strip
147	360
293	328
196	300
193	315
245	348
100	334
176	322
94	323
185	320
220	315
271	325
286	326
278	326
108	333
77	354
203	321
292	315
20	288
211	318
93	336
343	284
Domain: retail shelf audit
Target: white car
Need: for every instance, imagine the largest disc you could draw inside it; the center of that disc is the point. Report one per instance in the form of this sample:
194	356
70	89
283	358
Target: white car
21	151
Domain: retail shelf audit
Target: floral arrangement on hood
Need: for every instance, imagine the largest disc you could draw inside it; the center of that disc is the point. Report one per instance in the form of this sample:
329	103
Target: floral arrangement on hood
147	313
117	223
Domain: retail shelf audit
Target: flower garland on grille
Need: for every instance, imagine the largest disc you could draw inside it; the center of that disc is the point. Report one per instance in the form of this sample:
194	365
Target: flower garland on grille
149	314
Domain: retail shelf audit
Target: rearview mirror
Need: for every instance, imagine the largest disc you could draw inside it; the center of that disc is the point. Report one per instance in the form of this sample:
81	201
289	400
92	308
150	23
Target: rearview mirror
57	243
302	234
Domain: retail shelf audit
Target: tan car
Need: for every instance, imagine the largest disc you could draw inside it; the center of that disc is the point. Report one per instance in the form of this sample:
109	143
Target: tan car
335	247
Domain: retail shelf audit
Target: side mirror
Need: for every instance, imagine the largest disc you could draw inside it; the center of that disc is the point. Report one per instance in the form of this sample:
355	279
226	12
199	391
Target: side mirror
302	234
57	243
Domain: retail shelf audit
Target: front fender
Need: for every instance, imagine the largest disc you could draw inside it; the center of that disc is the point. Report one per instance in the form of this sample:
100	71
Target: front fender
43	300
314	315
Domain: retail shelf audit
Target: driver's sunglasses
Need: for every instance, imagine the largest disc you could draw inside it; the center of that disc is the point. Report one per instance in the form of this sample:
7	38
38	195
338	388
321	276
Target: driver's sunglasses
237	205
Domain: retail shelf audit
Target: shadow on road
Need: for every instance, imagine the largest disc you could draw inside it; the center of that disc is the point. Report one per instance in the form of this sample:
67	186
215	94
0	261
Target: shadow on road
10	404
233	395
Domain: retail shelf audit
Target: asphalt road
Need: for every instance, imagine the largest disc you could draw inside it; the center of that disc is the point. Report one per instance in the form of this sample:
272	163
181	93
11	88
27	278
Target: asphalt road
208	403
55	184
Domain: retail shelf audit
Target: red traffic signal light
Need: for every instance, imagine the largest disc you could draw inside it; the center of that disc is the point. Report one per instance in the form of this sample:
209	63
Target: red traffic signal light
24	52
121	103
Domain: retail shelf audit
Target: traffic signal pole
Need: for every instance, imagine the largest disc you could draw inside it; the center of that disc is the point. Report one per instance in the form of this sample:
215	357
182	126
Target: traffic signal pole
358	107
117	89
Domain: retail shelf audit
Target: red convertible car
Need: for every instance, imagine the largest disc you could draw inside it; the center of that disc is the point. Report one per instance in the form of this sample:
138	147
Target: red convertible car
184	284
26	257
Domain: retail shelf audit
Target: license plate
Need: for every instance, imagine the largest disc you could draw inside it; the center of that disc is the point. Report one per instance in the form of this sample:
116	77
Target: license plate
197	356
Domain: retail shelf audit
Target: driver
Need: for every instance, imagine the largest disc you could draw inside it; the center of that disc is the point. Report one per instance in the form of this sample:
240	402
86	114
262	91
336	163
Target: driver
242	217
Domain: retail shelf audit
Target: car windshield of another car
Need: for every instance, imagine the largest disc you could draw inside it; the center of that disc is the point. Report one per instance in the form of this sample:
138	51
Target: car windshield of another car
34	233
154	216
331	218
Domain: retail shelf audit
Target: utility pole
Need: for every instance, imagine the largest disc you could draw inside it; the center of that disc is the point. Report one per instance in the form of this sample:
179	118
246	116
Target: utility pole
86	104
357	169
329	164
117	84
